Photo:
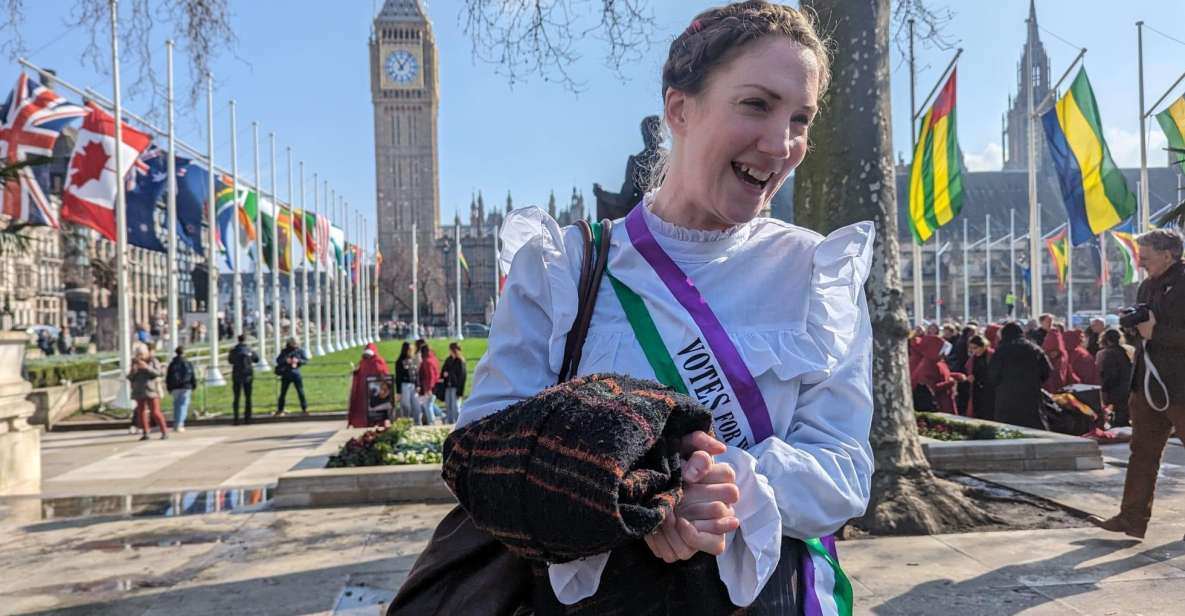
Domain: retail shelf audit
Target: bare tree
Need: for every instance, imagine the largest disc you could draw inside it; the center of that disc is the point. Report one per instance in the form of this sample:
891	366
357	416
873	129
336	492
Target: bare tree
200	28
538	37
850	176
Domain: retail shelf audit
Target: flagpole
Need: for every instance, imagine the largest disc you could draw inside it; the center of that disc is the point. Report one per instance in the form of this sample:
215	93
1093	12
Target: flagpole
123	400
360	286
331	279
1144	207
1012	261
171	204
918	278
415	285
1104	273
966	277
261	310
1069	282
348	322
213	373
1030	145
457	266
291	260
304	262
318	243
937	278
336	325
341	289
276	307
232	242
987	243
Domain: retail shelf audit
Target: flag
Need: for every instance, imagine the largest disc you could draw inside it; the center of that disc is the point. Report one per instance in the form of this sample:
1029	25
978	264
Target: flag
378	264
243	204
936	180
1059	251
145	184
1100	260
1094	191
1172	122
267	230
312	237
88	197
30	122
284	237
323	240
193	187
464	266
1131	254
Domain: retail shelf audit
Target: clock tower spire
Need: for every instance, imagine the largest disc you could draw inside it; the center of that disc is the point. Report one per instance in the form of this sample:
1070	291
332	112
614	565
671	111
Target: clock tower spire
404	87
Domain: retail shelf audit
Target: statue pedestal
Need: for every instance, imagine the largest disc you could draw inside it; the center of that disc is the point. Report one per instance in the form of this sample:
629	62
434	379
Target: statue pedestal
20	443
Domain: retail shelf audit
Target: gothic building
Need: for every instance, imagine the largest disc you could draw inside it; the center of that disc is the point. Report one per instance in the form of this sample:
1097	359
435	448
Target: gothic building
1017	127
404	85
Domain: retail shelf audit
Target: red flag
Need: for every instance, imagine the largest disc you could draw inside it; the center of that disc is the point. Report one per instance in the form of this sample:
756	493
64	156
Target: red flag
88	197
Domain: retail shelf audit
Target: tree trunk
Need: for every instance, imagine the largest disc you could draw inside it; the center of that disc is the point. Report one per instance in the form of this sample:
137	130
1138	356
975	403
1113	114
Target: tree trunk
849	177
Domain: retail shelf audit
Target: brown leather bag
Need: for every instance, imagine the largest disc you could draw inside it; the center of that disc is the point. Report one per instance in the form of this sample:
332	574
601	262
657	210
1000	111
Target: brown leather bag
464	570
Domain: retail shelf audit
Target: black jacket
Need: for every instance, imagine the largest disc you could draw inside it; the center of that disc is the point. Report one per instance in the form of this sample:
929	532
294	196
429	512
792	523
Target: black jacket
284	367
1166	294
454	373
180	374
1115	373
242	362
1018	369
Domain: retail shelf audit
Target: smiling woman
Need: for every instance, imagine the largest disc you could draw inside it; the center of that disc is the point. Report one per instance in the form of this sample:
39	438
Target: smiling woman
759	326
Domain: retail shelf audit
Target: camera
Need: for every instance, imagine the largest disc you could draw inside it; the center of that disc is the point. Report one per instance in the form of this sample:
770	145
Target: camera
1132	316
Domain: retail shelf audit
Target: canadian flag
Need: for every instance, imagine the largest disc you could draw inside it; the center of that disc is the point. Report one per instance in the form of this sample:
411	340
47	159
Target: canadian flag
88	197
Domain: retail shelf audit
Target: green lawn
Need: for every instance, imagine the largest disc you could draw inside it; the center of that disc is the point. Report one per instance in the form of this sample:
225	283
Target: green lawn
326	380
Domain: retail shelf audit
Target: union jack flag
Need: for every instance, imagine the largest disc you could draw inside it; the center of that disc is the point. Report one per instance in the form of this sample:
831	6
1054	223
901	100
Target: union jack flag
30	122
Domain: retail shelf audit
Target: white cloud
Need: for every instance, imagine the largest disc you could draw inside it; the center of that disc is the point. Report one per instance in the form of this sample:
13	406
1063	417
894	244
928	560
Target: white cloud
987	159
1125	146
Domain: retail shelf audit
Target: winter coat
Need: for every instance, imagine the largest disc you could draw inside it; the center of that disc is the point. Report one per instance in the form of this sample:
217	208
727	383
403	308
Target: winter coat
983	393
1018	368
405	371
1059	360
145	379
180	375
454	372
242	362
1082	363
1166	293
932	372
1115	375
428	375
284	366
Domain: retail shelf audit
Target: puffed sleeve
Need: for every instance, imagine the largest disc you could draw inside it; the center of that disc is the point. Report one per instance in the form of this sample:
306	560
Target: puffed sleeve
535	311
821	470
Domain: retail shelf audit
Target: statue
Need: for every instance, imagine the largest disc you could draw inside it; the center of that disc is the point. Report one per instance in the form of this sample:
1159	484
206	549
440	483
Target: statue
637	169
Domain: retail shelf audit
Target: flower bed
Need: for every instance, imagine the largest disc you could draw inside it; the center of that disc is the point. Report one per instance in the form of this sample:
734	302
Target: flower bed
400	444
938	427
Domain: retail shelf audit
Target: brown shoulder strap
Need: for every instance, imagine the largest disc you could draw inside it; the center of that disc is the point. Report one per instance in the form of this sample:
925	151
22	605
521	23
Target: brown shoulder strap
591	271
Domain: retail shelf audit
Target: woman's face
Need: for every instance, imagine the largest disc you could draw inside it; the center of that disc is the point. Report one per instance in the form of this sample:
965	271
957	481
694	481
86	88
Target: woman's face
737	141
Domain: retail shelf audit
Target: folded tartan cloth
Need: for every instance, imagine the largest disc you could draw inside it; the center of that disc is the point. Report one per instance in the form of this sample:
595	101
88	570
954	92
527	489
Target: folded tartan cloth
578	469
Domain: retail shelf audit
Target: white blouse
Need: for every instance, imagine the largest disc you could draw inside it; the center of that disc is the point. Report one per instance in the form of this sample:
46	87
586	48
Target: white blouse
792	302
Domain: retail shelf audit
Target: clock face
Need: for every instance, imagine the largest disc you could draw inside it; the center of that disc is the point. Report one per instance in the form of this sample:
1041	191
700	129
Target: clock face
401	66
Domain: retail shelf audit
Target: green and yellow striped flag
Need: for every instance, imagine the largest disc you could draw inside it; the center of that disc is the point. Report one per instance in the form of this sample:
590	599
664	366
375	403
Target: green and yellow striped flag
936	180
1172	122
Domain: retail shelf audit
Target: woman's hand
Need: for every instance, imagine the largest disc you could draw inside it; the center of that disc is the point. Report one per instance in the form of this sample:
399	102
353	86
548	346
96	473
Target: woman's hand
705	513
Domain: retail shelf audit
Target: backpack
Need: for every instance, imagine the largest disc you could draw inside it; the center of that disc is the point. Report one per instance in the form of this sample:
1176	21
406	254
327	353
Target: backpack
179	374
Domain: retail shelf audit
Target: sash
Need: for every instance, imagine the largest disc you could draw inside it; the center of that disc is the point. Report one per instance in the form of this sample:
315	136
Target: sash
710	369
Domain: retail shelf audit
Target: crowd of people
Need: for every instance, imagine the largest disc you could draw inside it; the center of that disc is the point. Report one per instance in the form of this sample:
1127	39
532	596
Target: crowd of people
998	373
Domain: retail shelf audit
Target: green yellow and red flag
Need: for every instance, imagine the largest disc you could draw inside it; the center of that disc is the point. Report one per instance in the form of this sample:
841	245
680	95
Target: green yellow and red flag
936	179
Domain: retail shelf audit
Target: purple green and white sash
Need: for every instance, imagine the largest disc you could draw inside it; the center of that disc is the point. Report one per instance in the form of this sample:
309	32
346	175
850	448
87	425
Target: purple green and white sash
696	357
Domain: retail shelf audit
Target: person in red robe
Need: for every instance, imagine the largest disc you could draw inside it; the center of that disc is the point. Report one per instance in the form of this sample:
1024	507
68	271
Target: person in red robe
992	334
1082	363
933	373
1054	346
372	364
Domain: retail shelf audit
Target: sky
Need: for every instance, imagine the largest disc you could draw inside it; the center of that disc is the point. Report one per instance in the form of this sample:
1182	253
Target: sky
302	72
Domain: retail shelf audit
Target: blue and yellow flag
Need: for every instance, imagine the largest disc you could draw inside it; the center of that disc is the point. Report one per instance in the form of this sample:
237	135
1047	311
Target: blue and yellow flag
1093	189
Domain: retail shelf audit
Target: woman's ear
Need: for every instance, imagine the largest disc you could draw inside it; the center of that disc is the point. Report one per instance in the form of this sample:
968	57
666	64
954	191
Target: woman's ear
675	108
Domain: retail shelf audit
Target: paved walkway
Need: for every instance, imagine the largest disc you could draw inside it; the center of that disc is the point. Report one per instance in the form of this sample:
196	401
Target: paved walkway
317	561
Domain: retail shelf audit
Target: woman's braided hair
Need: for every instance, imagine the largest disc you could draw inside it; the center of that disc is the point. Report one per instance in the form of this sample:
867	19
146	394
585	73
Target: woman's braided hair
718	35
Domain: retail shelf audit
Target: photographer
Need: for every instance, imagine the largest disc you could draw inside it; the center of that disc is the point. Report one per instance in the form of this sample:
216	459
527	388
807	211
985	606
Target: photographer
1157	403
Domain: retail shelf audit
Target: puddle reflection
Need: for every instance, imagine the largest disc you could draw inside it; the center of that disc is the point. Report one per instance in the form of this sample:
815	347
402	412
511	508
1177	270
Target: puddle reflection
169	504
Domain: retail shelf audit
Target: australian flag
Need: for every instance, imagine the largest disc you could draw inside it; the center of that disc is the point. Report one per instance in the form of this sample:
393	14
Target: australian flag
193	191
146	183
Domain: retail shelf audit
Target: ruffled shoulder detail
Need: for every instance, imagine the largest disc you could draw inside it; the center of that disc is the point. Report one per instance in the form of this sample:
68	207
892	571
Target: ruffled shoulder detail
840	266
531	231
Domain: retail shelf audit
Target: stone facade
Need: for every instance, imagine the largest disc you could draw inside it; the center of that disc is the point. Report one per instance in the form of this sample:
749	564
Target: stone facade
405	93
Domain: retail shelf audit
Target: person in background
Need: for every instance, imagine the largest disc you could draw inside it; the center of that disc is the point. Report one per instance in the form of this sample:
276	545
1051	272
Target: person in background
1082	362
429	374
288	364
1115	375
453	372
1040	328
242	365
371	366
957	363
145	376
1018	368
180	380
978	371
406	370
65	341
1054	346
1097	327
934	376
991	333
45	342
142	334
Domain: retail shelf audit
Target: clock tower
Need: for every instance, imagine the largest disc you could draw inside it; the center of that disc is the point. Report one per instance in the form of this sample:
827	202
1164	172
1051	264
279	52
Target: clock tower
404	87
